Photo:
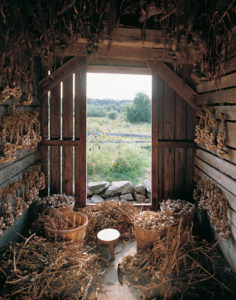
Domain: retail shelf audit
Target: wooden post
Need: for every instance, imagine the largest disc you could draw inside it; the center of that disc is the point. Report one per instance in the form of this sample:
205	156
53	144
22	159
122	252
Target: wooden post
80	133
67	134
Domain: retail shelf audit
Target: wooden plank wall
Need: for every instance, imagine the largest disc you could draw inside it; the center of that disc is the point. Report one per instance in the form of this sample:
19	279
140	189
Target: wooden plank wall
175	122
222	96
64	135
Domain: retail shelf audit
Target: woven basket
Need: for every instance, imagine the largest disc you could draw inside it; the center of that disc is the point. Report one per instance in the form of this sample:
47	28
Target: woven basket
70	235
145	238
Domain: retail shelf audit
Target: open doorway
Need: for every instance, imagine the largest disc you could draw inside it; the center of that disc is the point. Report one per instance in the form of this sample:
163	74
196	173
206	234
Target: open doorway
119	137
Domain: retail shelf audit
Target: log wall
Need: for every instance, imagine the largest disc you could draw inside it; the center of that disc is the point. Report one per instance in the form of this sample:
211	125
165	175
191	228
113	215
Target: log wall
222	96
11	172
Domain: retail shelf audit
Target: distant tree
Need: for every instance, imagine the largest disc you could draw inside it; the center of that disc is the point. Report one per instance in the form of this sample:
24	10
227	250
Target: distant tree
139	110
112	115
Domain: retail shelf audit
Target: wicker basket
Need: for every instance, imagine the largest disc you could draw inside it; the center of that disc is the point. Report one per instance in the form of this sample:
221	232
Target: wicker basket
145	238
70	235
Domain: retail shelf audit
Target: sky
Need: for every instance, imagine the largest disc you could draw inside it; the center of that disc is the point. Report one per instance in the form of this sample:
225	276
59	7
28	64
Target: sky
117	86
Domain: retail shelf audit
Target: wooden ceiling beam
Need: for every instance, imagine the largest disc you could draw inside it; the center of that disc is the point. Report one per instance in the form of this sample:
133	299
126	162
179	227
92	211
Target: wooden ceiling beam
176	83
119	52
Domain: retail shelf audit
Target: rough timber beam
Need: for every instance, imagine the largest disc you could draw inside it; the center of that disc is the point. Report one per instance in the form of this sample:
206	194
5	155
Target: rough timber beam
176	83
119	52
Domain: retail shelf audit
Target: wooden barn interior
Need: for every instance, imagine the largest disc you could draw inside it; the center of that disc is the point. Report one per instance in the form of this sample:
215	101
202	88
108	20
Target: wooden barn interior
189	49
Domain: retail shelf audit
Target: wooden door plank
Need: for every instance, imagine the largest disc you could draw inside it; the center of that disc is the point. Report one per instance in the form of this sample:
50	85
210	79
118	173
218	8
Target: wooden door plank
169	131
80	132
44	131
176	83
229	111
191	122
155	167
160	114
55	115
180	154
68	134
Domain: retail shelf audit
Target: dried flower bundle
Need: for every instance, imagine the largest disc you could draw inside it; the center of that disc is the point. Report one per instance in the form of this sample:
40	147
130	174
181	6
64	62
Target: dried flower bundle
211	199
55	220
209	133
23	193
54	271
169	214
56	201
19	130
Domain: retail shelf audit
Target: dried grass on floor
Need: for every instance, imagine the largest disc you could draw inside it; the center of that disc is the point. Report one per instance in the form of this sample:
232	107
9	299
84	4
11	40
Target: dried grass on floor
39	269
178	267
110	214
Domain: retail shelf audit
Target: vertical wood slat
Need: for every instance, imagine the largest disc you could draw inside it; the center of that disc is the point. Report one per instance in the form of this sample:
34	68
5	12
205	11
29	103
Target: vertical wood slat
44	132
80	132
155	157
160	115
180	153
55	115
67	134
191	122
169	130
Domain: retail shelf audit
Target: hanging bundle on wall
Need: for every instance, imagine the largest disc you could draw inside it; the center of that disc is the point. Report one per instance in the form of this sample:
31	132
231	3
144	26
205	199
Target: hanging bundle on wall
211	132
19	130
22	194
210	198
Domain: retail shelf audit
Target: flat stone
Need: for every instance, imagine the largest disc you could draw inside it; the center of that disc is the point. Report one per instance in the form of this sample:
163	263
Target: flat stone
118	187
140	188
115	198
96	199
128	197
148	185
98	187
147	200
149	195
89	192
140	198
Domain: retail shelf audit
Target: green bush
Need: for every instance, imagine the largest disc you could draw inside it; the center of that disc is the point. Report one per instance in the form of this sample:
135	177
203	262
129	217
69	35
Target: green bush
97	111
117	162
140	110
112	115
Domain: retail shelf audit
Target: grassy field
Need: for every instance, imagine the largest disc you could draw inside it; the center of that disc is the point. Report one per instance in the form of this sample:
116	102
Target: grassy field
117	157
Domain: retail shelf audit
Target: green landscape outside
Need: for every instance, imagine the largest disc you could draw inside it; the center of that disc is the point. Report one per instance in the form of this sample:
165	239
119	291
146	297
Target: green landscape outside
119	139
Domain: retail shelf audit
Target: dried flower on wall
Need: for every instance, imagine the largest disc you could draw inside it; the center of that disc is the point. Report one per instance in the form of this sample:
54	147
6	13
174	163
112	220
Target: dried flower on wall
211	132
210	198
19	130
23	193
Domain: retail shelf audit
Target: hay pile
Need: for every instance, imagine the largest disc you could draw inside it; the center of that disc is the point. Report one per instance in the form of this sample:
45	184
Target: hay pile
39	269
110	214
178	267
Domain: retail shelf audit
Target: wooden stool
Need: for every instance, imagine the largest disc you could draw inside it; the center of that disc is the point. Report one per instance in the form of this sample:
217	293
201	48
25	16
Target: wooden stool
108	237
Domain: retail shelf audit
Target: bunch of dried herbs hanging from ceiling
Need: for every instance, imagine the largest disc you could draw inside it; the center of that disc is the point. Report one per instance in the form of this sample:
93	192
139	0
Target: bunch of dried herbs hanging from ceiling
31	32
19	130
197	32
34	33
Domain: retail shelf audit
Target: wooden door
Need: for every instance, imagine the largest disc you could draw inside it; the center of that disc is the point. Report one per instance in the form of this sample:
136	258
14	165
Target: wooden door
172	153
63	122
